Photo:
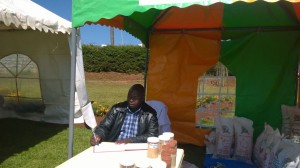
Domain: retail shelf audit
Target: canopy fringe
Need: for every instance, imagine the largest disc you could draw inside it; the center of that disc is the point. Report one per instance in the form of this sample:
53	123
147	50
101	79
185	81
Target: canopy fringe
255	28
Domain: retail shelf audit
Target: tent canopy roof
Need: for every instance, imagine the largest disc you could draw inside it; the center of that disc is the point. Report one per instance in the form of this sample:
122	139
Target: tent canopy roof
140	17
184	39
16	14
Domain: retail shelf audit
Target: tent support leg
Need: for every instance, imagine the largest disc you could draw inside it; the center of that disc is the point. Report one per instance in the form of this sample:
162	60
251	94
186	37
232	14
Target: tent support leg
298	84
146	67
72	91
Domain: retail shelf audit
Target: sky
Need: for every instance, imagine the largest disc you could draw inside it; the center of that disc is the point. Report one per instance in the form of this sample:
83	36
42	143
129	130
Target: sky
90	34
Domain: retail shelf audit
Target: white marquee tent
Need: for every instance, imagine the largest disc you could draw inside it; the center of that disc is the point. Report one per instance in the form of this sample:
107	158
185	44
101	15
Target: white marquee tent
37	70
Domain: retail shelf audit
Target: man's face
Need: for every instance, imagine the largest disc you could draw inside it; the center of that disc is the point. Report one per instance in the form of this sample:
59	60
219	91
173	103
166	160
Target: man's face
134	100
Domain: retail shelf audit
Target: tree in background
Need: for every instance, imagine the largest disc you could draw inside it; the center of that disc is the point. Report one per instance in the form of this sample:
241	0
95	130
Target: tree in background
123	59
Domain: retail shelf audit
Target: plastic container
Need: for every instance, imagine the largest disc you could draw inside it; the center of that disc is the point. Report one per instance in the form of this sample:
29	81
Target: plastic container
159	164
163	140
169	134
126	163
173	144
167	159
153	147
142	164
173	157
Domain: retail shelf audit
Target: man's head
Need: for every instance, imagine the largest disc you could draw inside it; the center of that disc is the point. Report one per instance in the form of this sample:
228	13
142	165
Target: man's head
136	96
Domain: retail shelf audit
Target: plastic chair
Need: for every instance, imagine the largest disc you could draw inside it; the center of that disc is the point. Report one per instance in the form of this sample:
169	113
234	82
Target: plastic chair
162	115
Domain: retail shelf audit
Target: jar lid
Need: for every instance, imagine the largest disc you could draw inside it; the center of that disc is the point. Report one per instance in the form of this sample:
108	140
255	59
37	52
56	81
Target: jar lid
164	137
126	162
170	134
142	164
152	139
159	164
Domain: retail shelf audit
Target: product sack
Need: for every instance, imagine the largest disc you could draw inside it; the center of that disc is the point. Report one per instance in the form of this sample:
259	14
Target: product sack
243	139
224	137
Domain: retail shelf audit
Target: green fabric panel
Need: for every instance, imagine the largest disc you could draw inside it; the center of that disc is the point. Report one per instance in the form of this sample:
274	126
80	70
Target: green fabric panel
94	10
259	13
139	23
265	66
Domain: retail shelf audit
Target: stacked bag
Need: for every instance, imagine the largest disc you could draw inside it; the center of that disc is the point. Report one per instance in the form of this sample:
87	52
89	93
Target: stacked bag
291	122
232	139
271	150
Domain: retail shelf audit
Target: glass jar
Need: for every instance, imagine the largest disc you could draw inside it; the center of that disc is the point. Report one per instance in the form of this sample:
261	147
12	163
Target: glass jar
159	164
142	164
163	140
153	147
126	163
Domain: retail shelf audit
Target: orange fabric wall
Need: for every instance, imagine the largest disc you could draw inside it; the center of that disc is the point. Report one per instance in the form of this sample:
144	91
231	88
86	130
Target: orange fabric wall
198	17
175	63
296	7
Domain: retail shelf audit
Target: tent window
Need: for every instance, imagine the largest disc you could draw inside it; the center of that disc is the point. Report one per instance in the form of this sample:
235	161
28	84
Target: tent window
20	84
215	96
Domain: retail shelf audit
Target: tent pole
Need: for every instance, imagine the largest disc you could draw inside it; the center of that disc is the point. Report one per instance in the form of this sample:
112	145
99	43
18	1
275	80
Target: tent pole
298	83
72	91
146	67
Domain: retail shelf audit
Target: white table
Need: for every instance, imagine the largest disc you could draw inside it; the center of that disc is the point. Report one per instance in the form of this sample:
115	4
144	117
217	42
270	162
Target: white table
90	159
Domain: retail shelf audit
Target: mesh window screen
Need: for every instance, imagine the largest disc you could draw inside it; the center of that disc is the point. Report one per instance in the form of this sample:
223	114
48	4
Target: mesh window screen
20	84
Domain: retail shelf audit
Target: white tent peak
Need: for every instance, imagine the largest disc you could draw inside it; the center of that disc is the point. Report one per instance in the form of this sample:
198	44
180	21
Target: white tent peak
24	14
48	46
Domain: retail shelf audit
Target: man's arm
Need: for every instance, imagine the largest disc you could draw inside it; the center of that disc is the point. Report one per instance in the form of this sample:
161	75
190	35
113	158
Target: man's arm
102	130
95	140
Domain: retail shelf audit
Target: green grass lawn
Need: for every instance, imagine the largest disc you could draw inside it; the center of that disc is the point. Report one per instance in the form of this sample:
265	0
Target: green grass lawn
43	145
108	93
36	144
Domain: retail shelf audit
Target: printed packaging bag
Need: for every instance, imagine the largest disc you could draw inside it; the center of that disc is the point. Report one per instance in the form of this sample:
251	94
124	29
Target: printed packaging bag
286	120
224	138
243	138
290	121
210	142
259	150
271	150
287	155
271	147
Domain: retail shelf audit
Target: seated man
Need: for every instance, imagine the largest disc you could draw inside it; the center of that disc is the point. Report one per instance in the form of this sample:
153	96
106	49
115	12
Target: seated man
131	121
162	115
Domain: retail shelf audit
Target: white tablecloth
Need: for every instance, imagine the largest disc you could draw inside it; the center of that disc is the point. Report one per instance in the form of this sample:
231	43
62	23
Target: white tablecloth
90	159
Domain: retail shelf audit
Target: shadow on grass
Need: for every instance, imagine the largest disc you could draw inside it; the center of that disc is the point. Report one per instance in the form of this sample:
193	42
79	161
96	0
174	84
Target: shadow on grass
19	135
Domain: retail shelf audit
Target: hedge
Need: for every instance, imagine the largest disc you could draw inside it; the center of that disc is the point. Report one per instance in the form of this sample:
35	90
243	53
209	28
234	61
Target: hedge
123	59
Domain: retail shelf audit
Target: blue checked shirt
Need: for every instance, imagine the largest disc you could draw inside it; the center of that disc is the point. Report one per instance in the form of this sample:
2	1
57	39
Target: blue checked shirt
130	125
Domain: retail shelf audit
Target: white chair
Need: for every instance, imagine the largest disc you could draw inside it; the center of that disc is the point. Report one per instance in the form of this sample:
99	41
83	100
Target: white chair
162	115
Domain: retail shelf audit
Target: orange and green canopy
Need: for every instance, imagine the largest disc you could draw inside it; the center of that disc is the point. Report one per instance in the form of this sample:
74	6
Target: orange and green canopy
258	41
141	17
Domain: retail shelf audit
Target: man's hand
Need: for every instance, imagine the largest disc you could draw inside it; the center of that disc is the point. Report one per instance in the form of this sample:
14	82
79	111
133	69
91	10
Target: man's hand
125	141
95	140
